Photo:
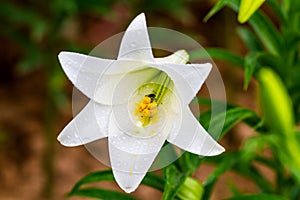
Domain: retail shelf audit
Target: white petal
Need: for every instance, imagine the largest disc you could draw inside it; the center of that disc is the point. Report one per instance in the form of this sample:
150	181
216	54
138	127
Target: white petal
117	89
127	181
191	136
131	156
187	79
84	71
89	125
135	44
179	57
98	78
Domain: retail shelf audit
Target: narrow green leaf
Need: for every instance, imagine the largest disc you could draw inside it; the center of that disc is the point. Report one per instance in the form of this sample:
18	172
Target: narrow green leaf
249	118
250	39
258	197
250	66
247	8
150	179
227	161
237	164
262	26
252	173
217	53
220	4
266	32
277	9
92	178
154	181
174	179
233	116
101	194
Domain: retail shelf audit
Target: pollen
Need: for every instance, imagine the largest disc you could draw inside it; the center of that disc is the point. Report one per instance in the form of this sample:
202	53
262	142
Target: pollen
146	110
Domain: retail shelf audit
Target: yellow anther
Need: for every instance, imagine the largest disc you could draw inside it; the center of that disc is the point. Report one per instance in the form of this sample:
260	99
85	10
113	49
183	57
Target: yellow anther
142	106
152	105
146	112
146	100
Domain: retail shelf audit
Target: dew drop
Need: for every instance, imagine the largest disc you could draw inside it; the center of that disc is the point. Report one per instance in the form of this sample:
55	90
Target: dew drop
118	164
133	44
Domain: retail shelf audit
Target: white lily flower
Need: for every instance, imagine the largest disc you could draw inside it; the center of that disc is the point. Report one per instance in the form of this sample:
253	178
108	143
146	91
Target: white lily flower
138	102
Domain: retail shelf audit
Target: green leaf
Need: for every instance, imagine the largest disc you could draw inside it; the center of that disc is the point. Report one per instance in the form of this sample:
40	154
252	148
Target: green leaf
250	66
150	179
262	26
250	39
252	173
265	30
92	178
227	161
267	33
174	179
277	9
217	53
258	197
101	194
236	163
247	8
220	4
233	116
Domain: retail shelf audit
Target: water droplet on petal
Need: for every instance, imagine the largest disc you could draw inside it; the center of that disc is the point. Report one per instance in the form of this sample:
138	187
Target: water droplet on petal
133	44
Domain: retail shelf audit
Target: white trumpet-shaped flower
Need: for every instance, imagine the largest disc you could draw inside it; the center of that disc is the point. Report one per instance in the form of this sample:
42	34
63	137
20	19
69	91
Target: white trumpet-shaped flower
138	102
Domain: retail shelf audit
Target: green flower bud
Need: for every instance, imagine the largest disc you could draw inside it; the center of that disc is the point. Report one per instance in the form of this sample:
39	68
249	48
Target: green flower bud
275	102
247	8
191	189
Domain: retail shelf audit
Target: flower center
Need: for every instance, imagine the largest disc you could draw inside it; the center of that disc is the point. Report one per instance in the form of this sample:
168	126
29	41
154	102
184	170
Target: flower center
148	107
146	110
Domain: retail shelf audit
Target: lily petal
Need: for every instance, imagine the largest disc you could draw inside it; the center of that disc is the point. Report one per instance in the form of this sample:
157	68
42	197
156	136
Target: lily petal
128	181
98	78
179	57
131	156
187	78
191	136
116	89
135	44
89	125
84	71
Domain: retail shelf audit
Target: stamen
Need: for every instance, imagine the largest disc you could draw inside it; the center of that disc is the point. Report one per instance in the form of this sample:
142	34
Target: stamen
146	110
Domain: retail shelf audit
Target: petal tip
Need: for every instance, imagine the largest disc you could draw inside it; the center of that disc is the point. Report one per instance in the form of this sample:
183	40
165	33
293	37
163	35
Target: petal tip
139	22
128	181
216	150
68	141
204	69
62	55
128	189
62	141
